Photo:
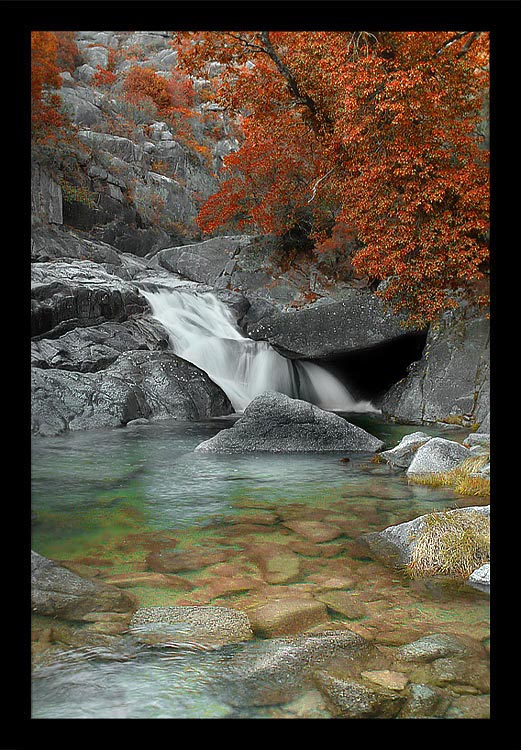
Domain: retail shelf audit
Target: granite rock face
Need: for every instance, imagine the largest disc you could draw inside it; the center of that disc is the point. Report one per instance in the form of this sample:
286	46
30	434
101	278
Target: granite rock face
276	423
402	454
452	380
139	384
58	592
436	456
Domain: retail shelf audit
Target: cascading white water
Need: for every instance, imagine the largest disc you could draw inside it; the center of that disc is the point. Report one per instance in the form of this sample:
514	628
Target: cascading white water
204	332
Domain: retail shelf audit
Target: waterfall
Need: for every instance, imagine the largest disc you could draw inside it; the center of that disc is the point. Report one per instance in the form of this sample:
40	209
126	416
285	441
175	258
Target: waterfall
203	331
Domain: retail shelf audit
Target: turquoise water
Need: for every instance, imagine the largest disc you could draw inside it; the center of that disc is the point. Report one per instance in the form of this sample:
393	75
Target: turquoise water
104	494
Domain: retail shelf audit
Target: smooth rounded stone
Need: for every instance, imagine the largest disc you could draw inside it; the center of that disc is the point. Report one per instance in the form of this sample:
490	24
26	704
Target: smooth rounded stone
386	678
179	561
431	647
481	576
198	625
343	603
277	563
436	456
276	670
287	617
402	454
424	701
351	700
395	544
155	580
58	592
314	531
276	423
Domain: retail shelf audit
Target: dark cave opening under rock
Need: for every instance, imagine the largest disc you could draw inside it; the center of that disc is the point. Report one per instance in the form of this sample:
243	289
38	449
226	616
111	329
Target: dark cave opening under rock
369	373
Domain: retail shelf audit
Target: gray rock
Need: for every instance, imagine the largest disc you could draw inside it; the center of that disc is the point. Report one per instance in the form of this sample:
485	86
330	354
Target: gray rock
475	439
139	384
46	197
395	544
276	423
277	669
79	103
66	295
452	380
348	699
401	455
436	456
52	243
123	148
481	576
57	592
431	647
329	328
201	626
424	701
94	348
96	56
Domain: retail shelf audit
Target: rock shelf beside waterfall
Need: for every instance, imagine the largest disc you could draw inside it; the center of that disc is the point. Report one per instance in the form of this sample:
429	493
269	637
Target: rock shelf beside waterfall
276	423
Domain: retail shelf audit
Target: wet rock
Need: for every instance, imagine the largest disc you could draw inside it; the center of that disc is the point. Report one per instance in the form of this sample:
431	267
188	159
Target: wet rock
287	617
58	592
277	563
140	384
470	707
178	561
437	455
352	700
156	580
386	678
431	647
343	603
202	625
424	701
314	531
274	422
277	670
401	455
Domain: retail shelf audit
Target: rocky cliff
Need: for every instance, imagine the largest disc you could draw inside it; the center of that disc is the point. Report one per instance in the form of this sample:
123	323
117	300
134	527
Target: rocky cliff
123	217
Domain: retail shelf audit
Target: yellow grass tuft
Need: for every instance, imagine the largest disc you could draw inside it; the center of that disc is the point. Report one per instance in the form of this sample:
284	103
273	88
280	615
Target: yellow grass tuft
460	479
450	544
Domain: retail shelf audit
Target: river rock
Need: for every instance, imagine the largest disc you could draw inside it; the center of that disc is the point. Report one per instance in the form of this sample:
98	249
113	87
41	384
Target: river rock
437	455
424	701
287	617
140	384
204	626
451	382
203	261
328	328
277	669
276	423
50	243
348	699
402	454
395	544
66	295
58	592
431	647
481	576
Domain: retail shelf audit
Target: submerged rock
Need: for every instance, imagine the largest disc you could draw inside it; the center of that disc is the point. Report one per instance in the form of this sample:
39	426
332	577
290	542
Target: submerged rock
58	592
276	423
348	699
204	626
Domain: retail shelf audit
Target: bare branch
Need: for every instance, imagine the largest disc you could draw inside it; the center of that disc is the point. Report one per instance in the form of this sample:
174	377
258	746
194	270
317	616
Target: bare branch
317	183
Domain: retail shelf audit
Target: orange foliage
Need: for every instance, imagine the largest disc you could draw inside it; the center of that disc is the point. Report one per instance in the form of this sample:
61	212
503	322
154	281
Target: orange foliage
375	130
45	115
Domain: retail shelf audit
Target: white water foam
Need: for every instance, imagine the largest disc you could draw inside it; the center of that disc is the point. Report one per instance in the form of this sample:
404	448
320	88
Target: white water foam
203	331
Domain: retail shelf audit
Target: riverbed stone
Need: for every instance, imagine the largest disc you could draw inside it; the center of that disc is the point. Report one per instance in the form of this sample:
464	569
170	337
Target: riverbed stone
344	604
424	701
180	561
386	678
314	531
402	454
277	563
437	455
276	423
431	647
287	617
58	592
276	670
349	699
206	626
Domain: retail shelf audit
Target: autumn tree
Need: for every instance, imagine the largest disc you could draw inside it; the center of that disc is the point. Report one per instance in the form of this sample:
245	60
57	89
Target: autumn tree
367	133
45	114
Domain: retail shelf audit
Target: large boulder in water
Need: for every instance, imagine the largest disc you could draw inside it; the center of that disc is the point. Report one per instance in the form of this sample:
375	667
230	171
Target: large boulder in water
58	592
139	384
276	423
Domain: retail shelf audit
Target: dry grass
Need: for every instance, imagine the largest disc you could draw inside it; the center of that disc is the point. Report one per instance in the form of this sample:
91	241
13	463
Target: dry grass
451	544
460	479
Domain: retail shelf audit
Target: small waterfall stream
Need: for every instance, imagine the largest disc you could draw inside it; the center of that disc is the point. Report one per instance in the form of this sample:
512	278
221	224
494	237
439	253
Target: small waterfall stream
203	331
